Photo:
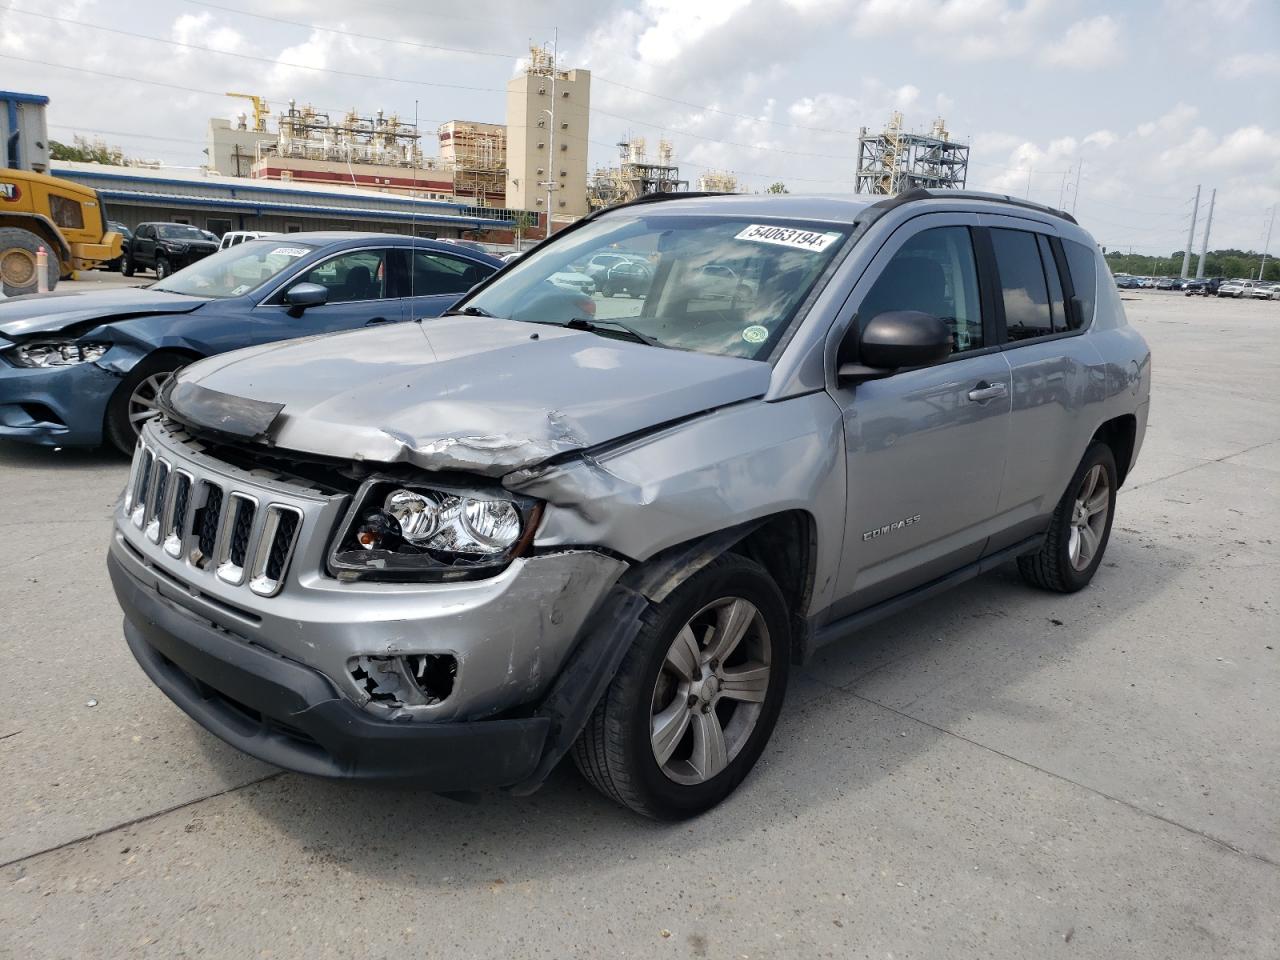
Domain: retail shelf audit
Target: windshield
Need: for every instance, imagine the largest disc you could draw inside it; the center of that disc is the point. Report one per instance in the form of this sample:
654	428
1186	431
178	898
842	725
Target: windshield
176	231
234	271
713	284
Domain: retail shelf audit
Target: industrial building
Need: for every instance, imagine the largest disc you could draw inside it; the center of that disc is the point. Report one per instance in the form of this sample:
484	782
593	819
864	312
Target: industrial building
895	160
548	112
636	175
204	199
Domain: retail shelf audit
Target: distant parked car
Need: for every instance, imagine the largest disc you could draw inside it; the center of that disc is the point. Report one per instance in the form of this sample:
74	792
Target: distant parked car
629	276
1236	288
1127	283
571	280
1166	283
598	267
78	369
126	235
233	238
164	248
1265	291
1203	287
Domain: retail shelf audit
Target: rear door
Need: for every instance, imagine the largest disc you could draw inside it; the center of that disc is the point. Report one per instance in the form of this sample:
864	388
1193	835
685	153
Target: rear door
432	281
926	447
1047	289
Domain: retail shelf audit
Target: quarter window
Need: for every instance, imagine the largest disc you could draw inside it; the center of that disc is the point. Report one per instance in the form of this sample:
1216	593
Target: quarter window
1084	278
1050	268
359	275
933	272
1022	283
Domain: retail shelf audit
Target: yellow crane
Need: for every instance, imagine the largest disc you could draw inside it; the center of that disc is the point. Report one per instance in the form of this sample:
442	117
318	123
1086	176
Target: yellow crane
261	110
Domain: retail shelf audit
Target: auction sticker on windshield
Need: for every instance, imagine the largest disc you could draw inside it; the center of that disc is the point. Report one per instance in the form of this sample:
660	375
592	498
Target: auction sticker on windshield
290	251
788	237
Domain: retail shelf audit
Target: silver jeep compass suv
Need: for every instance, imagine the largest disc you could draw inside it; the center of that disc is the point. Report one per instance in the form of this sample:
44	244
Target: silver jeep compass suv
549	522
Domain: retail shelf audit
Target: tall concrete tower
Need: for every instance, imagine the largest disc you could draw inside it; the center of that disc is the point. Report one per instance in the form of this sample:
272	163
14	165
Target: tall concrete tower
548	112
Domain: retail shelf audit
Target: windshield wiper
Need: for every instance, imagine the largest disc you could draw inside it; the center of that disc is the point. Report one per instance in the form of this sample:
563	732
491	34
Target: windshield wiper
599	326
467	312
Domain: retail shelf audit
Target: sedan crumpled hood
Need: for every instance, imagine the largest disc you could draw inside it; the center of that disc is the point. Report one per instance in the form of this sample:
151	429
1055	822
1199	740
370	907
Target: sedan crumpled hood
456	393
51	312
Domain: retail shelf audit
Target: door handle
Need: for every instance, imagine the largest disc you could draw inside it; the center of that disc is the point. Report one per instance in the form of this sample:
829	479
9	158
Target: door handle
988	391
370	323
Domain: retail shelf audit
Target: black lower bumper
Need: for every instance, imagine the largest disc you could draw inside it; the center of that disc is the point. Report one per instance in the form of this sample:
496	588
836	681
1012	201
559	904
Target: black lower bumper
288	714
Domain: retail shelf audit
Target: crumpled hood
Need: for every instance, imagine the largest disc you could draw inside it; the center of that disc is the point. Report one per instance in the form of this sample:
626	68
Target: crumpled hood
51	312
456	393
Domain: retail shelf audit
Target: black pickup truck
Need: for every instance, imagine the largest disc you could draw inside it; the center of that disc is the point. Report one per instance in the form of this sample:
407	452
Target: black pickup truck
164	248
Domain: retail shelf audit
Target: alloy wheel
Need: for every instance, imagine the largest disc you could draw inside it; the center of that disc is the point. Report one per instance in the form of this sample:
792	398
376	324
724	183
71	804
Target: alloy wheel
710	691
1089	517
144	402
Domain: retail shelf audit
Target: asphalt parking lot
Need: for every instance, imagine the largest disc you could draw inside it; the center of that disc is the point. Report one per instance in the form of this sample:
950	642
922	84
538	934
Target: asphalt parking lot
997	773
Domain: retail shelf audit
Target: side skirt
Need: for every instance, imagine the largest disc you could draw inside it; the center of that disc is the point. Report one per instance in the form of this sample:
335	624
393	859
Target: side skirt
847	626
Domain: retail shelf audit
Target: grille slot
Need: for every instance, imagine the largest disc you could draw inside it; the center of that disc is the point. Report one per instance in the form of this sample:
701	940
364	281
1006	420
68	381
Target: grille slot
156	503
175	524
138	501
279	537
234	536
207	522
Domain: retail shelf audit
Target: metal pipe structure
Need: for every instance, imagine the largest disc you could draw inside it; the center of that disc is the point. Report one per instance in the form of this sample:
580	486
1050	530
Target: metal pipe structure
1266	246
1191	233
1204	246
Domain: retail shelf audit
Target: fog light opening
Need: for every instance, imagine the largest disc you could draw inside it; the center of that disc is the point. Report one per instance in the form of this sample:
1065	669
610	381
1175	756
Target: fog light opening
419	679
433	673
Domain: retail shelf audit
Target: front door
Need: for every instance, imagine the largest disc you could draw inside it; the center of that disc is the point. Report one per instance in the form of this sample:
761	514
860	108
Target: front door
361	294
436	281
926	448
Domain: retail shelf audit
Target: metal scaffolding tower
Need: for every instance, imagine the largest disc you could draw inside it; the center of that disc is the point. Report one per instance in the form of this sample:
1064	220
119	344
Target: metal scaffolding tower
895	160
636	175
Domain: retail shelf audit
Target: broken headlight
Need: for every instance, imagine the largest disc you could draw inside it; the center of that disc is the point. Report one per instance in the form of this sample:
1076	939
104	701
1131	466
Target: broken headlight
56	353
410	532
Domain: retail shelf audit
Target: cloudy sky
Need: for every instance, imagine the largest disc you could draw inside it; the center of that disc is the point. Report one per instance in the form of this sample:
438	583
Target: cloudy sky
1145	98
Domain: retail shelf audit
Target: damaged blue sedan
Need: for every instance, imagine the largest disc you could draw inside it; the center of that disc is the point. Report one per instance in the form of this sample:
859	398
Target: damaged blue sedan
81	369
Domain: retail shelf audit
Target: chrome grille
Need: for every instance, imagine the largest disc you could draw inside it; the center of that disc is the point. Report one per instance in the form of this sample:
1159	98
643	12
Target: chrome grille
210	524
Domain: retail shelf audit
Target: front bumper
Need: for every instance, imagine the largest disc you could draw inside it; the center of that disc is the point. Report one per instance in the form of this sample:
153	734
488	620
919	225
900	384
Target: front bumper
55	406
290	715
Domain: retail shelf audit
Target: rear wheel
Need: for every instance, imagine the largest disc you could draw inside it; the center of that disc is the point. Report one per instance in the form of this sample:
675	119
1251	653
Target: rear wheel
135	400
697	696
18	271
1080	529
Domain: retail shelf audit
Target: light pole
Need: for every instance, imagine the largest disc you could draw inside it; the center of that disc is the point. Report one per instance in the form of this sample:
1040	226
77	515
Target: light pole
550	183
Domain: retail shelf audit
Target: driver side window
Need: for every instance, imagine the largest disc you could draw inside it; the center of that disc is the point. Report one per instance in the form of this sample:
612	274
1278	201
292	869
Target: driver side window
934	272
354	276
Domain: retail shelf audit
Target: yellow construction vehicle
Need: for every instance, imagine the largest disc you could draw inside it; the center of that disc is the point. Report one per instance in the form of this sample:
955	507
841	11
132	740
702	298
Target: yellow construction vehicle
65	218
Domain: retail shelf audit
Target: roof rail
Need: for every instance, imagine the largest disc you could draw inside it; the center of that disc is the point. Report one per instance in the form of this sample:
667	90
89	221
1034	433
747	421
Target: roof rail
920	193
656	197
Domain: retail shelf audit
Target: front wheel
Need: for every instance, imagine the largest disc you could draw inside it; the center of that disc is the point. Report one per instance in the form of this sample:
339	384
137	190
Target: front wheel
162	269
135	400
1080	529
697	696
126	265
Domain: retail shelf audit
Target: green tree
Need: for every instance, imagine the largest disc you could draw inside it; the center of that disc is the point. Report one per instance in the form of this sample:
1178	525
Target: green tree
523	220
83	151
777	187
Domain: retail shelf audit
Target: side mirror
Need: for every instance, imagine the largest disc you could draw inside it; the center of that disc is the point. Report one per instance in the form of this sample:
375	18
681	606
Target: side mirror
303	295
893	340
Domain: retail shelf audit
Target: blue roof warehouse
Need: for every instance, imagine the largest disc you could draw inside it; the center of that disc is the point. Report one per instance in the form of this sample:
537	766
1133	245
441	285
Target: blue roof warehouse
134	195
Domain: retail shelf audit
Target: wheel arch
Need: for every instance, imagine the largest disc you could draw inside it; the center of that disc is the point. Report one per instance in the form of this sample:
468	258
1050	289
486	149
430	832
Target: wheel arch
1120	434
784	543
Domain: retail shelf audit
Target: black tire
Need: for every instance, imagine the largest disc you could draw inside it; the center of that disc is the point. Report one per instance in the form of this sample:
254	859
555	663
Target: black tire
18	250
126	265
1051	567
162	268
121	432
614	752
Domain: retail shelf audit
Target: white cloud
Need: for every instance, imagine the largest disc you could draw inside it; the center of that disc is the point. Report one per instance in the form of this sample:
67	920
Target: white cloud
1088	44
198	29
1243	65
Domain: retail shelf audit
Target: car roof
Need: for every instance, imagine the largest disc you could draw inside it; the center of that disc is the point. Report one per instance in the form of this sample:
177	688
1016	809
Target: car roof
322	238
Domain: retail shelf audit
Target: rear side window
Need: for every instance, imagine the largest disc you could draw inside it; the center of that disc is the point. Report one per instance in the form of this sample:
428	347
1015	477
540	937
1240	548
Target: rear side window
1022	284
1084	279
933	272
